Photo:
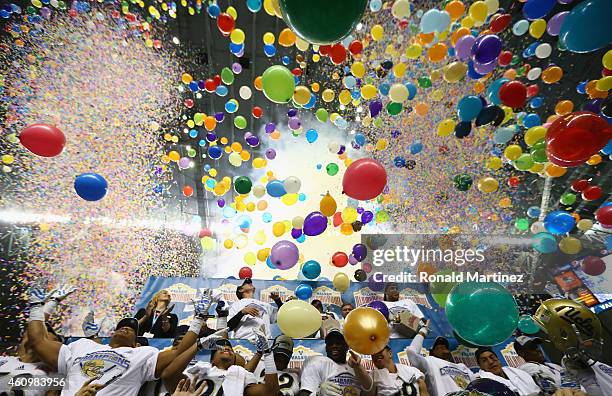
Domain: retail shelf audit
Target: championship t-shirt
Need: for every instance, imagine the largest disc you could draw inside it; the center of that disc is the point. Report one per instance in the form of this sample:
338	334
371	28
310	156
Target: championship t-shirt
402	383
124	369
288	380
441	376
397	307
248	323
320	369
13	371
220	382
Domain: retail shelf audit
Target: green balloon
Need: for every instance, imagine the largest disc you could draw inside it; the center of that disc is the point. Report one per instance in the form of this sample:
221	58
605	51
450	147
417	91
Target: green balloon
243	185
539	156
322	21
394	108
524	162
278	84
521	224
240	122
482	313
568	199
322	115
227	76
527	325
463	182
332	169
439	290
424	82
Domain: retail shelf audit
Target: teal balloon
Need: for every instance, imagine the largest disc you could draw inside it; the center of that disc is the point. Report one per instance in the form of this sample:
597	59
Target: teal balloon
322	21
483	314
544	242
587	26
527	325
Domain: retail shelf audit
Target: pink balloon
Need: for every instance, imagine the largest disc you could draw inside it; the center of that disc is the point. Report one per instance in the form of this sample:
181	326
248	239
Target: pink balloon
463	46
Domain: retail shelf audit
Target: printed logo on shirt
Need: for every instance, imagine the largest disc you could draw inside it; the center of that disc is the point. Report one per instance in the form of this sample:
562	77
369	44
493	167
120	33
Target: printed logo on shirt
459	376
349	382
102	364
605	368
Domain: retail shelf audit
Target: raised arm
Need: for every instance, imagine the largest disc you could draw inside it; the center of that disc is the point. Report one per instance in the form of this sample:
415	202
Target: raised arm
173	373
262	345
414	351
46	349
354	361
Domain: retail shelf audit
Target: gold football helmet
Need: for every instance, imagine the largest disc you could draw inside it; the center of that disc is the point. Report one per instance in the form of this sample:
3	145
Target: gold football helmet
571	327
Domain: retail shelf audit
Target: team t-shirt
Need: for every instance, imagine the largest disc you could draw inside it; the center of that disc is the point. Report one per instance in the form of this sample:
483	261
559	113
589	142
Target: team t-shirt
288	380
441	376
402	383
220	382
125	369
248	324
13	368
603	373
319	369
518	381
397	307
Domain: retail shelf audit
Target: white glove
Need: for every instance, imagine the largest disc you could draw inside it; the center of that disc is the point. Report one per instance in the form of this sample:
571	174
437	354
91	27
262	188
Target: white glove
202	305
39	296
210	342
330	389
260	342
61	292
90	327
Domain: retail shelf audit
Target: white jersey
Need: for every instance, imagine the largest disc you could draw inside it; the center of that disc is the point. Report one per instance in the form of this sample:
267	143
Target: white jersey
442	377
12	370
603	373
158	388
220	382
402	383
548	376
248	323
288	380
518	381
124	369
397	307
320	369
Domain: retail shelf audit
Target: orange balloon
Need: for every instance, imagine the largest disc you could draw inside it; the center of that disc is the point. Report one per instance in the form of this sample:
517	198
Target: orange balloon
421	108
258	83
457	34
437	52
510	74
553	170
479	87
551	118
594	160
286	38
366	331
425	39
210	123
552	74
593	92
564	107
455	9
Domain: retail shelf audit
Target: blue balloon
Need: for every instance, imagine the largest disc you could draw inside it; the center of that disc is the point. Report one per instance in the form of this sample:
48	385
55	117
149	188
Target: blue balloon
544	242
587	26
360	139
536	9
311	103
221	90
533	212
269	50
215	152
531	120
193	86
493	90
609	242
311	269
214	10
254	5
303	291
473	74
559	222
269	263
536	102
267	217
311	135
90	186
384	89
416	148
375	5
275	189
607	150
412	90
468	108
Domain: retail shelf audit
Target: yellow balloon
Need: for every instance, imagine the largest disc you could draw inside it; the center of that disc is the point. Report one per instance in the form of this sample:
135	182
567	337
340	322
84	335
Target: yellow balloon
446	127
479	11
328	95
467	22
328	205
250	258
341	282
505	202
268	7
268	38
382	144
454	72
207	243
399	70
368	91
232	11
570	245
301	44
494	163
344	97
237	36
492	6
259	162
377	32
301	95
584	224
607	60
513	151
604	83
260	237
488	185
298	319
366	331
534	134
297	222
398	93
262	254
349	214
235	159
358	69
278	228
537	28
228	244
8	159
414	51
290	199
346	229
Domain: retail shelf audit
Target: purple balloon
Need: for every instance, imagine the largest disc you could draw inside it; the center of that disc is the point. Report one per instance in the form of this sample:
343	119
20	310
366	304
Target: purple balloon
366	217
463	46
270	153
220	116
380	307
296	233
314	224
270	127
486	48
592	105
352	260
553	27
211	136
360	251
485	68
221	202
284	255
294	123
291	113
375	108
252	140
236	68
183	163
375	285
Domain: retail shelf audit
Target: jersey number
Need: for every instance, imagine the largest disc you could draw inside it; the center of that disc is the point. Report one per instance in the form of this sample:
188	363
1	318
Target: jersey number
210	388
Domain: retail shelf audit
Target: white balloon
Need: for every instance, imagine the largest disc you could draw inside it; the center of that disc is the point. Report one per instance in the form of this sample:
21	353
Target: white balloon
398	93
245	92
537	227
401	9
534	74
334	147
235	159
259	191
543	50
292	184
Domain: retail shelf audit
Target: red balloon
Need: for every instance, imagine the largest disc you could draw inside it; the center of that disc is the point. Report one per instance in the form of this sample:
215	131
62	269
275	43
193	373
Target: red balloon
355	47
296	72
573	139
593	266
500	23
580	184
513	181
604	216
504	58
364	179
209	85
42	139
245	272
257	112
338	53
217	80
337	219
592	193
225	23
188	191
189	103
532	90
513	94
339	259
324	50
205	232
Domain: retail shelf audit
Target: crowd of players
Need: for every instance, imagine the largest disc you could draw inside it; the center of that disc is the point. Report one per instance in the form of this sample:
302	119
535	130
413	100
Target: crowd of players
127	366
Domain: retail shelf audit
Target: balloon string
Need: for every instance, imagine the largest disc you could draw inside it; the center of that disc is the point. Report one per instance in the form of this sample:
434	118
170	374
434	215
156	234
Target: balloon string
545	198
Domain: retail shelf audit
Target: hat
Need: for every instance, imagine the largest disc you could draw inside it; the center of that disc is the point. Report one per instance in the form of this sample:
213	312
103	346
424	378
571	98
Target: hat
440	341
332	332
283	344
128	322
247	281
525	342
482	350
